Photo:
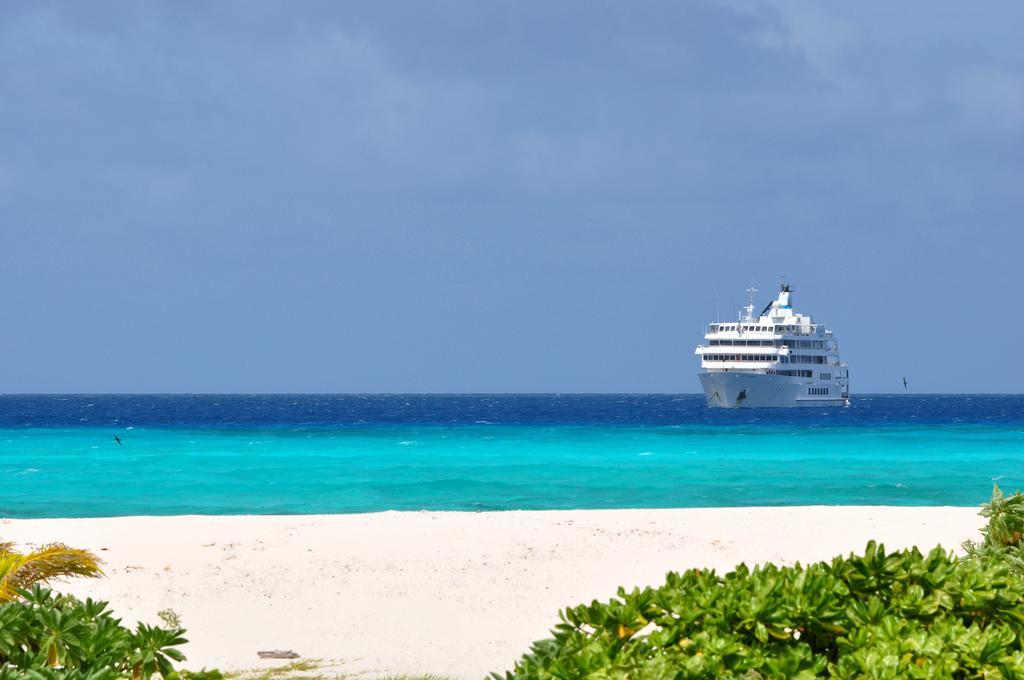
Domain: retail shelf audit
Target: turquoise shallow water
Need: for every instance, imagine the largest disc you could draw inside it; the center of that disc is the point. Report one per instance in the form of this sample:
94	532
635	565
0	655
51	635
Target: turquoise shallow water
411	462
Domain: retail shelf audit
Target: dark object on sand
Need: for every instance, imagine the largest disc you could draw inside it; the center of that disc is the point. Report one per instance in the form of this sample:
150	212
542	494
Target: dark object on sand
278	654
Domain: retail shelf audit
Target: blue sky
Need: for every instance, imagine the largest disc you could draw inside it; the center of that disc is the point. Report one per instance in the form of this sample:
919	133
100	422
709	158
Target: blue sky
502	196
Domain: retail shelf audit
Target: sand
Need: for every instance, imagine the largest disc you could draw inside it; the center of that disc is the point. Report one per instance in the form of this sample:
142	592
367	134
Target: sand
456	594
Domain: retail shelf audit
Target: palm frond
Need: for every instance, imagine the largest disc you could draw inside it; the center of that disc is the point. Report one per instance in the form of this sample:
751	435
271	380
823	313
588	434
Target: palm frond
56	560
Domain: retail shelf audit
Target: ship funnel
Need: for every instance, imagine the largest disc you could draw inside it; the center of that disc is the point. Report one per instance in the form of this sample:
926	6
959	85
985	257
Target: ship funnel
784	294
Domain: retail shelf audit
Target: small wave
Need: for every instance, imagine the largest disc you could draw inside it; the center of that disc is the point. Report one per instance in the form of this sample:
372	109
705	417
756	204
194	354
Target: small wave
646	453
901	485
410	442
27	471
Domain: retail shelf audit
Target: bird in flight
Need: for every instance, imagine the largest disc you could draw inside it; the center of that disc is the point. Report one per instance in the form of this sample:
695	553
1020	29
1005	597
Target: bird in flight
118	440
904	384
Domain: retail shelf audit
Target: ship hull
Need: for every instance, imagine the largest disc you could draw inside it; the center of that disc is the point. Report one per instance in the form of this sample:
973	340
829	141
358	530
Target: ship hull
728	389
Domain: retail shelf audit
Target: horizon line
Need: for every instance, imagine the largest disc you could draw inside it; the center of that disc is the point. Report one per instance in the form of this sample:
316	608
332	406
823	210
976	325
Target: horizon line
464	394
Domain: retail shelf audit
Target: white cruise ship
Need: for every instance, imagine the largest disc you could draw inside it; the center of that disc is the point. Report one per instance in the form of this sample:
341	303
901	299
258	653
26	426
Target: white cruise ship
779	358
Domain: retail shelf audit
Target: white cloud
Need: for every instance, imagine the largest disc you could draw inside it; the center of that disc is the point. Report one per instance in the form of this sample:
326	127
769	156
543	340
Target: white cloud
820	37
991	99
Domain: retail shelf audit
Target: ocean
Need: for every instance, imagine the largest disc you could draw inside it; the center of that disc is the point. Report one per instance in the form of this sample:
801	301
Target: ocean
284	454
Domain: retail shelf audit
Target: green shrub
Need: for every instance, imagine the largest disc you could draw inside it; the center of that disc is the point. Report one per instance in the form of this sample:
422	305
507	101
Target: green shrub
1004	532
878	615
195	675
43	635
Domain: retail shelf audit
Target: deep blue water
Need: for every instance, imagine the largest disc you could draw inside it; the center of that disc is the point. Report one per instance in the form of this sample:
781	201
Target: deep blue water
224	454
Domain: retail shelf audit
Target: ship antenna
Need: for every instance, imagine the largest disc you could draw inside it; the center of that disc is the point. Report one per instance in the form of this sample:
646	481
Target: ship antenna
750	304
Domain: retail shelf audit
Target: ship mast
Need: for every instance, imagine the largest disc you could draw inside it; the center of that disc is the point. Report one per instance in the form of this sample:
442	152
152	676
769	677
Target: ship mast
749	316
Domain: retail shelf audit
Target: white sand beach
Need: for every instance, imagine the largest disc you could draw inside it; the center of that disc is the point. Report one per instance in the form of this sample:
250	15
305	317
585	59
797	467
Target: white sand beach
457	594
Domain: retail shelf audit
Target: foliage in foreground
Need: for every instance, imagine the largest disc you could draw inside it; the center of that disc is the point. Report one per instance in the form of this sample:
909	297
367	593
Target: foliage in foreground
1004	532
23	570
878	615
43	635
